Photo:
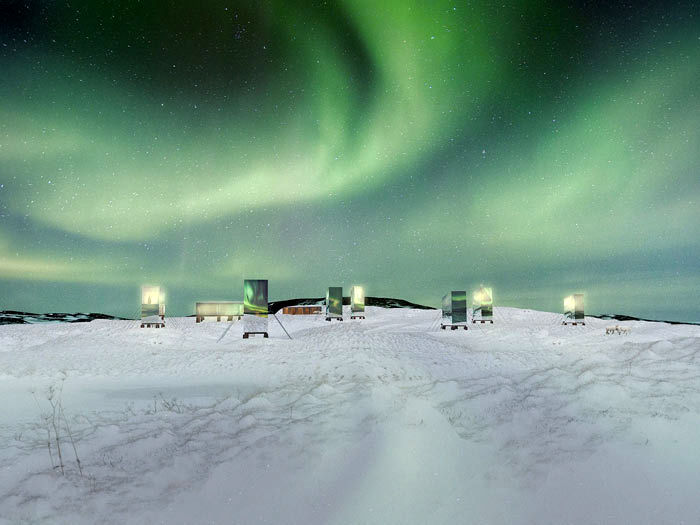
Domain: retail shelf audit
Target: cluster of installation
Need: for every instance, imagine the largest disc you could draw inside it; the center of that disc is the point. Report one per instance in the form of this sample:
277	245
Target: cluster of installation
254	309
455	312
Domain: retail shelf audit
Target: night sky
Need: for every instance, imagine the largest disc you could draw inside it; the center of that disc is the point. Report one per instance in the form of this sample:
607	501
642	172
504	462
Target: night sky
541	148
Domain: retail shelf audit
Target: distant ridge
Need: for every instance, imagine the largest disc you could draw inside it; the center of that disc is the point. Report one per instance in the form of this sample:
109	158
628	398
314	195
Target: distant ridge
620	317
382	302
14	317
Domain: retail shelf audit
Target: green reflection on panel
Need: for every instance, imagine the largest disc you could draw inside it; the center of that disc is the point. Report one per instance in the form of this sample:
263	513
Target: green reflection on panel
334	301
459	306
255	297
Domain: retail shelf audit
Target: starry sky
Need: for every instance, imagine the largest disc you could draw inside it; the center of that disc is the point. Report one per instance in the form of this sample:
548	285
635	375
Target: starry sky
542	148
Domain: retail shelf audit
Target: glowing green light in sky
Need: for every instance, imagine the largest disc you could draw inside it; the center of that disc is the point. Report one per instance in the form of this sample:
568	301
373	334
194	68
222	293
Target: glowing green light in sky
411	146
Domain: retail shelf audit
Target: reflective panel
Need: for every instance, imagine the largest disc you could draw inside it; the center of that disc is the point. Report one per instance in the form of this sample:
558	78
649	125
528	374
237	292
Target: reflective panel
150	294
334	301
573	307
447	308
459	306
569	305
219	308
255	297
150	302
483	302
578	306
357	299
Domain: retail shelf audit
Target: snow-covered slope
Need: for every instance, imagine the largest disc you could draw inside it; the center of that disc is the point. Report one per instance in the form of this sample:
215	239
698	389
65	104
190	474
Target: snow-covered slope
387	420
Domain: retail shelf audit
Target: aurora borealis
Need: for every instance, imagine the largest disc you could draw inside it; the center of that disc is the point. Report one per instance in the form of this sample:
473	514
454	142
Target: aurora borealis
410	147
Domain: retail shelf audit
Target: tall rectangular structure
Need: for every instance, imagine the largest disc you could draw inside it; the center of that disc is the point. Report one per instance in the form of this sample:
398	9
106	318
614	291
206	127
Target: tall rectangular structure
150	301
573	309
357	299
454	310
483	305
459	306
447	309
255	297
334	302
255	307
152	306
578	306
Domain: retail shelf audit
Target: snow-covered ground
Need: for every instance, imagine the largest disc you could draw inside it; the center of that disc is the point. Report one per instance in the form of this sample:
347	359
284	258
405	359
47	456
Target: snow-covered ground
386	420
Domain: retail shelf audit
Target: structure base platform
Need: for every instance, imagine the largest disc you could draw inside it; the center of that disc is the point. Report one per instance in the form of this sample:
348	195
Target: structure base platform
574	323
482	321
336	318
152	325
357	317
248	334
454	326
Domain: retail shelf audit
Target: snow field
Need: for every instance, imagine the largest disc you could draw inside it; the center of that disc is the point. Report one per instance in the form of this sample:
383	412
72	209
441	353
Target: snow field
387	420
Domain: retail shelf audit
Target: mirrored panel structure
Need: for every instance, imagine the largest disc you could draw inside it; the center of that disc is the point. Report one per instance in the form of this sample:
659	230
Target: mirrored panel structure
334	301
255	297
447	308
483	303
573	307
150	301
255	307
569	306
459	306
578	306
357	299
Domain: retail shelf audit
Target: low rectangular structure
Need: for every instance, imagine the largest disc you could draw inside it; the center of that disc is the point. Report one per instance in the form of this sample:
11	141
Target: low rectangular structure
302	310
226	309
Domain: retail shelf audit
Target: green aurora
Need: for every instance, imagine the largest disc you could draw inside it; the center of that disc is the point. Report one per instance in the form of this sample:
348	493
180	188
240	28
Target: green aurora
412	148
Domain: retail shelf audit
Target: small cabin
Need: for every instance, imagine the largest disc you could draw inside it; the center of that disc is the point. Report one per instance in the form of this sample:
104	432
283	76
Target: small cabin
302	310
